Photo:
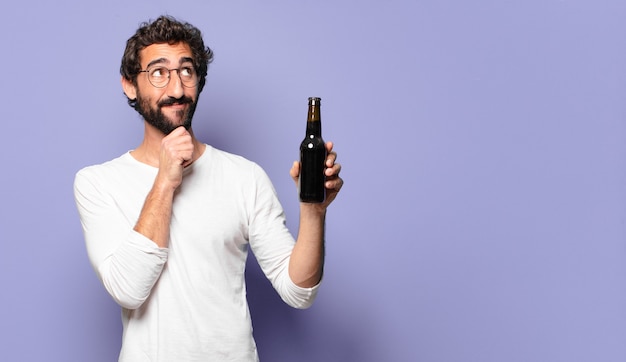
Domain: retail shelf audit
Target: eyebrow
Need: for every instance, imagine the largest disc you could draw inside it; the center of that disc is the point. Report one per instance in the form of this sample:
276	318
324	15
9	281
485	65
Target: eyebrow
164	60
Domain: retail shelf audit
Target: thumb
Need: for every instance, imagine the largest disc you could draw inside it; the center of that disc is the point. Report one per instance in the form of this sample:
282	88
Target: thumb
294	172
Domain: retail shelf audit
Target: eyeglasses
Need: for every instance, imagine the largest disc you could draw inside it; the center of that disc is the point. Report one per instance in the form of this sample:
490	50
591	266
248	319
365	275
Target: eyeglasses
160	76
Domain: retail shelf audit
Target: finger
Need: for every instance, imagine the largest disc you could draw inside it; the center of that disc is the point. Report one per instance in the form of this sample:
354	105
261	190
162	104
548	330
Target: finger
329	146
334	184
294	172
180	130
178	139
333	170
330	159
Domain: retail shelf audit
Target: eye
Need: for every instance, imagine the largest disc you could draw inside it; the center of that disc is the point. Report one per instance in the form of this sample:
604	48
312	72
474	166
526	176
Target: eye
158	72
186	71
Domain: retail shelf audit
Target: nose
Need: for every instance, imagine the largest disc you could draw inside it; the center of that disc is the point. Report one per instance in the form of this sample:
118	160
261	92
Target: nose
175	85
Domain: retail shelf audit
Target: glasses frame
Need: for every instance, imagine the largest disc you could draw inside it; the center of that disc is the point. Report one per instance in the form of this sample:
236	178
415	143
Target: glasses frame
169	76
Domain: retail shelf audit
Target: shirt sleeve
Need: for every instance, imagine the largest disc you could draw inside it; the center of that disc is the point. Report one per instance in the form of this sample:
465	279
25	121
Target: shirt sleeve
127	263
272	243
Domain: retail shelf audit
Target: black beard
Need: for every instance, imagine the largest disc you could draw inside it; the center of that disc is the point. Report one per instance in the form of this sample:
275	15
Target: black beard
158	120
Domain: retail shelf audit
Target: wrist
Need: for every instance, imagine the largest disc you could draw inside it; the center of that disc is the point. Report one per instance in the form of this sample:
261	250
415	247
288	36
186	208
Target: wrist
313	209
164	184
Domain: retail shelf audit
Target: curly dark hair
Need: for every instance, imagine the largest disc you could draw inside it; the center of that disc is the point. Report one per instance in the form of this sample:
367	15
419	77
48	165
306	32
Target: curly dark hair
165	29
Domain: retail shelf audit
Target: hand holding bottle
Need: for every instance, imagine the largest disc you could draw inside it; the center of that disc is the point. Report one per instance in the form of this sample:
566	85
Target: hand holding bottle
333	182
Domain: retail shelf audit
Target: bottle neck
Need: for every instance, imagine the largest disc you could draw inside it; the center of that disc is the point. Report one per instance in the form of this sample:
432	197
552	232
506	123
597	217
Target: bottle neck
314	128
314	121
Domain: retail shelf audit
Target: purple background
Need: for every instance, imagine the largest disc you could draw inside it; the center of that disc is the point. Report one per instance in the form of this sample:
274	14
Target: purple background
483	145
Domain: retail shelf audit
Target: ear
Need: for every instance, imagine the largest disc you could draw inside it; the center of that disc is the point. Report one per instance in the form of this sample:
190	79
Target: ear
129	88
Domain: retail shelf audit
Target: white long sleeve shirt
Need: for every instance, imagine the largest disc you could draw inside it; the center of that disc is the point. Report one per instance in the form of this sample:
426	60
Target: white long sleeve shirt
187	302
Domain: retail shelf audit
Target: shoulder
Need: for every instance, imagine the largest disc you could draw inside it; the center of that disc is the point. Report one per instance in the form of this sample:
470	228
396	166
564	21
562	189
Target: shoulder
108	170
236	168
102	167
216	154
229	160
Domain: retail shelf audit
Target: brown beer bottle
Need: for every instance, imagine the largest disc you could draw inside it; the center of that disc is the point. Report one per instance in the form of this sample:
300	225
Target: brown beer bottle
313	157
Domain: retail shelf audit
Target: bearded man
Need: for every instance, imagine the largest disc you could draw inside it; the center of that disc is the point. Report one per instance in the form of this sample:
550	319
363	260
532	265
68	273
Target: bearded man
168	225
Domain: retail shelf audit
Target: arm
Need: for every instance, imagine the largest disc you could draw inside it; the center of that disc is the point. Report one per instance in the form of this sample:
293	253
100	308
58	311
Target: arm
126	245
154	221
306	264
127	263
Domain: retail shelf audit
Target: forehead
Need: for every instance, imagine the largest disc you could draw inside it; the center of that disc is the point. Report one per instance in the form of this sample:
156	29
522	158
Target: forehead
165	53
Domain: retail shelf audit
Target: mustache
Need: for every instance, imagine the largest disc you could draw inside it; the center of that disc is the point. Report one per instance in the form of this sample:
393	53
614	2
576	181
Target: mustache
171	101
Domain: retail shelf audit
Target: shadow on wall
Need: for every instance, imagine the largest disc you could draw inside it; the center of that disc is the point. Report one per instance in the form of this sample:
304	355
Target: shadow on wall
283	333
277	329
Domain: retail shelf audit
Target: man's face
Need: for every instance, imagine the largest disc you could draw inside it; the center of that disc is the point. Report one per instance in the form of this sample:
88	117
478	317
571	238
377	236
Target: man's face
173	105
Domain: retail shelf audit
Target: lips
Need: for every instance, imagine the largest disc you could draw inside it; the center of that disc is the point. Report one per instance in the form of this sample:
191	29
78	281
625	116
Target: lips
174	105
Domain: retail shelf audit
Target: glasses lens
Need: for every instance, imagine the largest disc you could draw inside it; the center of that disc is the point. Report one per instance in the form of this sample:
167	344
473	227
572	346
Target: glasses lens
159	76
188	76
